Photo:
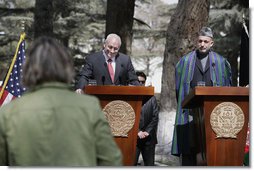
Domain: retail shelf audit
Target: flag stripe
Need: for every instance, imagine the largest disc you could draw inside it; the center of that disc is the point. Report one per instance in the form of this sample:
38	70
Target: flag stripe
11	87
6	98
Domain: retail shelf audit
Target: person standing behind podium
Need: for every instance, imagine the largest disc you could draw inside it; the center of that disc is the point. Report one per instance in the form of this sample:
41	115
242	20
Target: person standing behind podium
51	125
199	66
107	67
147	134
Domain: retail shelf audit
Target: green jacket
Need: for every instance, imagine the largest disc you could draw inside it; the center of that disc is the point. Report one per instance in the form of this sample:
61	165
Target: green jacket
53	126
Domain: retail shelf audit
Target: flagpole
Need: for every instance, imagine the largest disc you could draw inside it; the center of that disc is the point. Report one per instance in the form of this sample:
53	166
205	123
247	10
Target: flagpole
22	37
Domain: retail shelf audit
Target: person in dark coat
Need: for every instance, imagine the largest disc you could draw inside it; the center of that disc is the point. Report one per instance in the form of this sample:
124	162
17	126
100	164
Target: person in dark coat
147	134
97	66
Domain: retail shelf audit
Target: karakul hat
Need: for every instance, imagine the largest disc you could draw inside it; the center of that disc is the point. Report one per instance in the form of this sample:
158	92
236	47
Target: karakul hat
206	31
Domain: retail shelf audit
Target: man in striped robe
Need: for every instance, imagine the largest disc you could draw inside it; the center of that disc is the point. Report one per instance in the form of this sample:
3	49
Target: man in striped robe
203	65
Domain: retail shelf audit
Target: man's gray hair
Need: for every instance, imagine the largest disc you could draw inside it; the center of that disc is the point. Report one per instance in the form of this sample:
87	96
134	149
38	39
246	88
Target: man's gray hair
113	36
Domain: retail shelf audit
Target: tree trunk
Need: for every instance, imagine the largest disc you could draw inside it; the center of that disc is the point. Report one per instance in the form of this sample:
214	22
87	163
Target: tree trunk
119	20
189	17
43	18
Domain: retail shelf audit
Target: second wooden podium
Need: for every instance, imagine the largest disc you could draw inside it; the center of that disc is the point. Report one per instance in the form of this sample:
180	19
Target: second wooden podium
221	117
122	107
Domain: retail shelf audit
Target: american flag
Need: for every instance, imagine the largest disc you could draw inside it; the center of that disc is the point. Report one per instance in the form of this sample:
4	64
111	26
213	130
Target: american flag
12	80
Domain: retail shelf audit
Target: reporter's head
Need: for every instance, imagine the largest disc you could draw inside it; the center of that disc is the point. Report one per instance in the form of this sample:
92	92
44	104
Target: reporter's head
47	61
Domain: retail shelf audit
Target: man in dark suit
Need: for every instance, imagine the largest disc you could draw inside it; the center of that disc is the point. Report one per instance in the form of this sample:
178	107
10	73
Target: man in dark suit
108	67
147	134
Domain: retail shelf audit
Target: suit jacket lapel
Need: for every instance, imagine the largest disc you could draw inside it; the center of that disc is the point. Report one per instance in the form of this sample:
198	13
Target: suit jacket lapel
118	67
207	65
105	67
199	65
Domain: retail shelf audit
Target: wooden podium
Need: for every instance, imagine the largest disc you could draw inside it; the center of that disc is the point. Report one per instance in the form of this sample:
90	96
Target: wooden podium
221	117
134	96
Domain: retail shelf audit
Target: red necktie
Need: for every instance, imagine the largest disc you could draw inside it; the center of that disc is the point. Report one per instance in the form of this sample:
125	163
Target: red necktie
110	69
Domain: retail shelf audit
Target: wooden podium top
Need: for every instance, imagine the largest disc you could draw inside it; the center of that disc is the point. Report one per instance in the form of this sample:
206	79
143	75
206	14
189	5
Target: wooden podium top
198	93
119	90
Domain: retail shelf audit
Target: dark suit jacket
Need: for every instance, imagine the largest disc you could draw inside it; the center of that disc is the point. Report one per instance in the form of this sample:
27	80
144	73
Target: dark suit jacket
95	68
149	122
200	75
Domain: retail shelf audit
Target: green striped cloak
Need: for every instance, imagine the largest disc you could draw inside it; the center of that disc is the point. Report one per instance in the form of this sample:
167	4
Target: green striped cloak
220	71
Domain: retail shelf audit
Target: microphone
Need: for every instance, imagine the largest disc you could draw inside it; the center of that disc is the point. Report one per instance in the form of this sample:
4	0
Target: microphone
103	80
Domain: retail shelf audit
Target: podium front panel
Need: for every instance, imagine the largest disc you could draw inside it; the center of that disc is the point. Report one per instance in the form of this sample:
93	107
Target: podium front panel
206	102
134	96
